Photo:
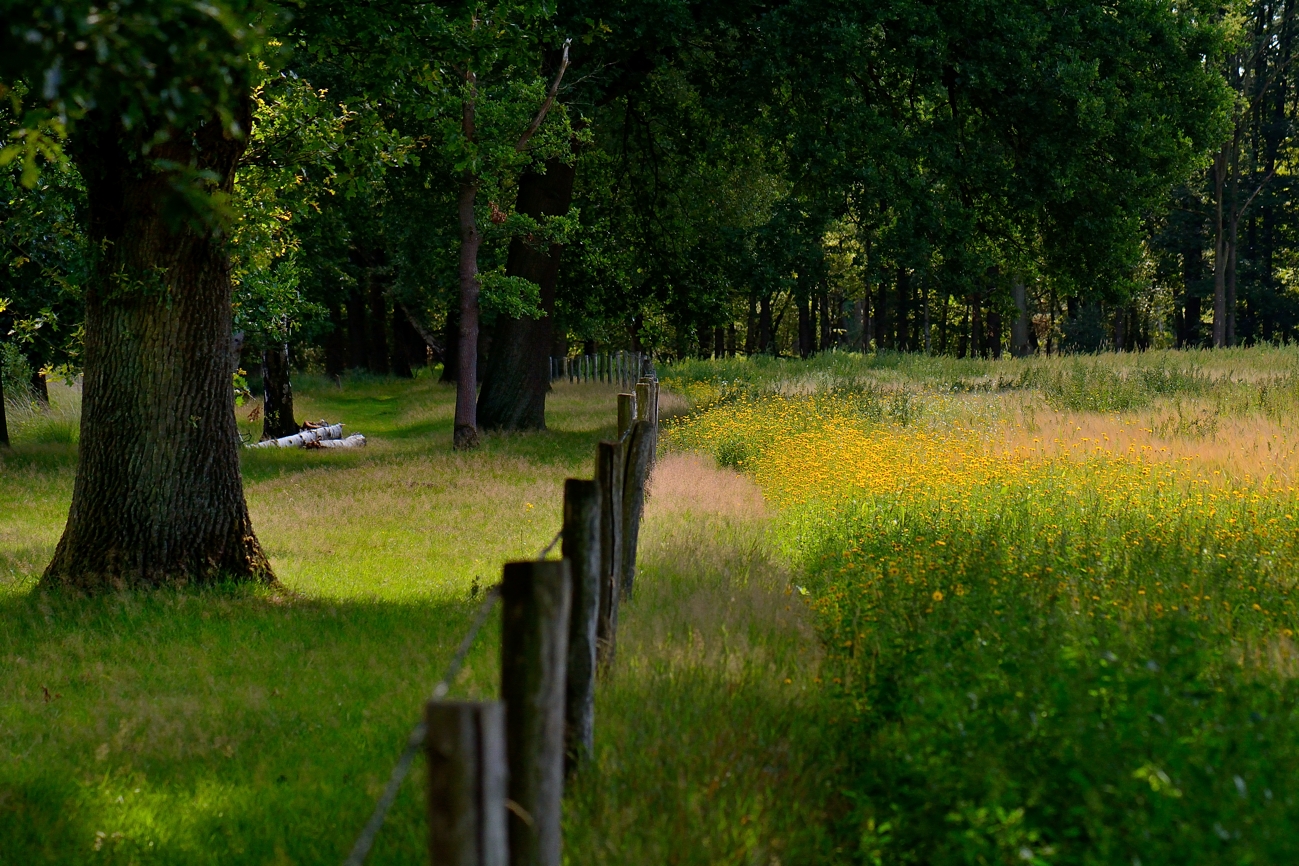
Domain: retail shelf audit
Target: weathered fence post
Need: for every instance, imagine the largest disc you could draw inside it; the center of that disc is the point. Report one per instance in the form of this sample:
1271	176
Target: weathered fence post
465	746
535	598
608	475
626	414
582	550
640	452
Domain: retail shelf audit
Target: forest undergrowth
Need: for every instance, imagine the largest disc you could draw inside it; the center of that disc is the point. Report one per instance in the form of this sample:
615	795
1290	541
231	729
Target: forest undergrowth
1055	597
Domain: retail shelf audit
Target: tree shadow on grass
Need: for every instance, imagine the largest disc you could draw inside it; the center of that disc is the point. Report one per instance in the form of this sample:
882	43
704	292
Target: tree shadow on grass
215	726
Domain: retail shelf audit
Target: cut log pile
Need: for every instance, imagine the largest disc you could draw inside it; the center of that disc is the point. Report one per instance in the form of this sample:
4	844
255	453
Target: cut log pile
319	435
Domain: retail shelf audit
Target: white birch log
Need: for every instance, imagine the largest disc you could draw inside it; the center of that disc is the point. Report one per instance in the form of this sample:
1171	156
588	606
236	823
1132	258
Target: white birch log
297	440
356	440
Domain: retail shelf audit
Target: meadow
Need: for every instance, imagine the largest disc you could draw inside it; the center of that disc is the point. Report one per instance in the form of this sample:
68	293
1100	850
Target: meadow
1055	597
230	725
891	609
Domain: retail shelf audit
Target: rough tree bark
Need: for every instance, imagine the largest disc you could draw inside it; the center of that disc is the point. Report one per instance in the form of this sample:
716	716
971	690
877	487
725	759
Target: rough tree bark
517	377
158	497
277	388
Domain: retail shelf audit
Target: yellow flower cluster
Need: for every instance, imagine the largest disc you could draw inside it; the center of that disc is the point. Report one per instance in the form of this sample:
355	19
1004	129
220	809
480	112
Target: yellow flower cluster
1085	523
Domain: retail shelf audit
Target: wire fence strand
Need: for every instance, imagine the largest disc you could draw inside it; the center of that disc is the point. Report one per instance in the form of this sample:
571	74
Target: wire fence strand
415	742
545	551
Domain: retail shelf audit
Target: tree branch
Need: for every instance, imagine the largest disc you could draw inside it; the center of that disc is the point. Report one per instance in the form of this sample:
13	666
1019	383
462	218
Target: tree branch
545	106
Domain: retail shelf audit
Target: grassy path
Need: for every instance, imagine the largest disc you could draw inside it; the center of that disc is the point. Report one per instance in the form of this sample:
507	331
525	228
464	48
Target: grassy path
253	727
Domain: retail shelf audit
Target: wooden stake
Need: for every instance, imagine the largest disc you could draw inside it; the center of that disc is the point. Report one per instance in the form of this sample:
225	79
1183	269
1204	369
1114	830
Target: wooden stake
609	475
635	473
465	745
626	414
535	599
582	550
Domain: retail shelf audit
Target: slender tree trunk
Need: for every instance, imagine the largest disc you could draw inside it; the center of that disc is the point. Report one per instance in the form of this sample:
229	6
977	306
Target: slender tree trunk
378	319
1219	252
902	310
466	415
357	354
943	316
277	402
750	325
766	337
1232	243
4	421
806	340
881	317
409	348
158	497
1019	330
465	435
517	377
41	388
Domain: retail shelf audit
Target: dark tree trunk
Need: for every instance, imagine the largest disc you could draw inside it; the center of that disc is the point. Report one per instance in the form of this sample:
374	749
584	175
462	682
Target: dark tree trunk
994	333
357	356
465	435
378	318
277	388
336	344
806	336
977	333
765	335
719	342
158	497
751	325
41	388
407	345
730	340
881	317
902	311
4	421
517	377
827	323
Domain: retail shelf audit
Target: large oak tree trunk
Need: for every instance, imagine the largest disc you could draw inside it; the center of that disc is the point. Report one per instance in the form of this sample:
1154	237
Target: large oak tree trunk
158	497
517	377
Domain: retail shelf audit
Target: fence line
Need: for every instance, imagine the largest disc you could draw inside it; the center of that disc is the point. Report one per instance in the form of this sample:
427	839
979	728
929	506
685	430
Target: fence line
621	368
563	619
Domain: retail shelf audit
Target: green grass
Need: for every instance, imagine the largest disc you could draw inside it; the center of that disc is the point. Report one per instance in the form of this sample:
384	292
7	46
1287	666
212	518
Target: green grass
231	725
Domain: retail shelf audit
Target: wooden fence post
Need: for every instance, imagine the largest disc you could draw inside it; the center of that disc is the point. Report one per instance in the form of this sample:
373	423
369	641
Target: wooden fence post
582	550
608	475
465	746
535	598
640	453
626	414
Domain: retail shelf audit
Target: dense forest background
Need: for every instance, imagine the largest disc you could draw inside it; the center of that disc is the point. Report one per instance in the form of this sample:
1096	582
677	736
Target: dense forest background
714	178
